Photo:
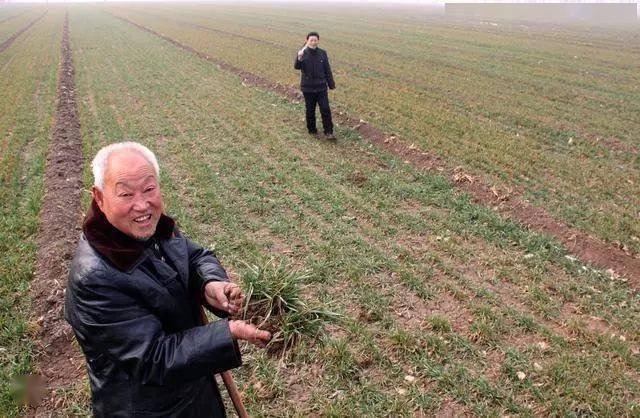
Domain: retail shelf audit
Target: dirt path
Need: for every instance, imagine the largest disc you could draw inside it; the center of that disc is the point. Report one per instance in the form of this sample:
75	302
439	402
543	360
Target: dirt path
6	44
588	248
58	362
6	19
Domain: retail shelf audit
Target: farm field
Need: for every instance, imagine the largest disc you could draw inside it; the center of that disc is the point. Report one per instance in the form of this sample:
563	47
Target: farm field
545	112
446	307
28	75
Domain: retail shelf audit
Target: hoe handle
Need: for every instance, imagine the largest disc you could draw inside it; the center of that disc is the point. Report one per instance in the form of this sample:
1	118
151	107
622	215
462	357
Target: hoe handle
234	394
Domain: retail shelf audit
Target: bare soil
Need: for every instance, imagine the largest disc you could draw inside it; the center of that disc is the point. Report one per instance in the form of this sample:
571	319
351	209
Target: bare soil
58	362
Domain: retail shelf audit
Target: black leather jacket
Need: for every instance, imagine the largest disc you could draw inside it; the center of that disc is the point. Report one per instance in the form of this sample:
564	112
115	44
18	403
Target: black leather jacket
140	330
315	70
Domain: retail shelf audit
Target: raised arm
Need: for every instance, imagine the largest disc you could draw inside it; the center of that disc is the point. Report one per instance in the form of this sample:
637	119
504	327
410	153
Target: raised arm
299	58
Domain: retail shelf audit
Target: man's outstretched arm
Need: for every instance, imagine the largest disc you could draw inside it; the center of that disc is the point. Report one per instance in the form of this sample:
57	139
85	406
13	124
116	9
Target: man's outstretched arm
133	337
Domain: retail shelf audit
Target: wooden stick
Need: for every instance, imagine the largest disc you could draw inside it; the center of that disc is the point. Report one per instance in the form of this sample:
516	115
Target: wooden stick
234	394
232	389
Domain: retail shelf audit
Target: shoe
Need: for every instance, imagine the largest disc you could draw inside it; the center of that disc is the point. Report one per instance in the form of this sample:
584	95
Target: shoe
315	135
330	136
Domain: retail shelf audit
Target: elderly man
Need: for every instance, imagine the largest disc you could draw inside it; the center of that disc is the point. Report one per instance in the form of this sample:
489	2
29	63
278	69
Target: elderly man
134	294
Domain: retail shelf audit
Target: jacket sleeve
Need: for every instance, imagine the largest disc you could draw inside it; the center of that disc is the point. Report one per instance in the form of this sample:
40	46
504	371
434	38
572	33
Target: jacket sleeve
204	267
132	336
297	64
328	73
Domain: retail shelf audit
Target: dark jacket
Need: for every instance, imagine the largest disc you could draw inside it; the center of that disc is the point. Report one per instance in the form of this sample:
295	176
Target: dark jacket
316	71
133	308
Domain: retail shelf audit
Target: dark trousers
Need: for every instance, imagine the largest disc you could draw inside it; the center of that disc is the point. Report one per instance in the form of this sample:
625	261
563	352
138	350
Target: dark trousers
322	99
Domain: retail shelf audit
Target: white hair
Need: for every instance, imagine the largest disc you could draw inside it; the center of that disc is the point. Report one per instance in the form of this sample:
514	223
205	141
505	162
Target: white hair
99	163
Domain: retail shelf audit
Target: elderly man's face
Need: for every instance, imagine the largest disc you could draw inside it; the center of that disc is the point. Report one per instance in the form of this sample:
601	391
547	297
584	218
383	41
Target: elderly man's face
131	198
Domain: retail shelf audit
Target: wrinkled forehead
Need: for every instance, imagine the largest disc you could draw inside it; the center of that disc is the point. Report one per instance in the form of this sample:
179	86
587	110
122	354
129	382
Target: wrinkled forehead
128	167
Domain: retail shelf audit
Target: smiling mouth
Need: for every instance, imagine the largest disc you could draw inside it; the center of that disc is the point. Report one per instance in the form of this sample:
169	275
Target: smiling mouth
142	219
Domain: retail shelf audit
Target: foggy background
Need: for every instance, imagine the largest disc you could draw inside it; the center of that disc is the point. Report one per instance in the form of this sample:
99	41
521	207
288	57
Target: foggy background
599	12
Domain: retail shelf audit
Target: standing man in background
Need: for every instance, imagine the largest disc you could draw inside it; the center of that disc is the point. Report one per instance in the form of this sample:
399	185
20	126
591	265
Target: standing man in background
316	77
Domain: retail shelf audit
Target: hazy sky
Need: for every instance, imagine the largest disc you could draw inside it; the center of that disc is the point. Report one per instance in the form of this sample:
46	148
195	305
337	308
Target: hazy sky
341	1
241	1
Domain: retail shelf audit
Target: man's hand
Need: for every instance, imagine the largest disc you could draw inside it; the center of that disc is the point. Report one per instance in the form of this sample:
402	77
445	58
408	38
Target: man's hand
301	52
225	296
241	330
